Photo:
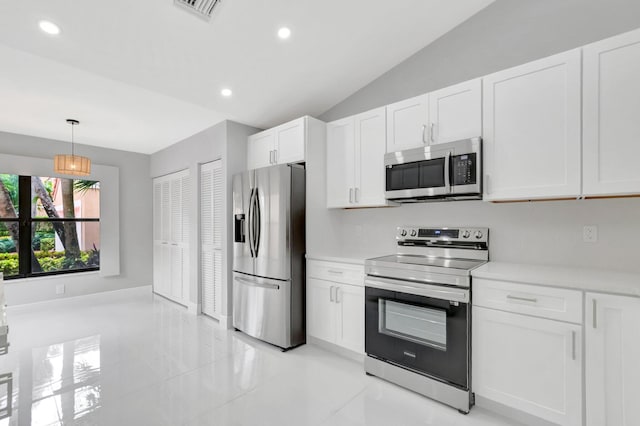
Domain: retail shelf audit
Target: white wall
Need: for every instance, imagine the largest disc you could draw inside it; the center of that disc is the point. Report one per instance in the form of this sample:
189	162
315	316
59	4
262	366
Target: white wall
504	34
134	217
226	141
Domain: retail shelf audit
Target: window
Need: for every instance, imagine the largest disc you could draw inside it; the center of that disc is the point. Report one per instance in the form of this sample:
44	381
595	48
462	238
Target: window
48	225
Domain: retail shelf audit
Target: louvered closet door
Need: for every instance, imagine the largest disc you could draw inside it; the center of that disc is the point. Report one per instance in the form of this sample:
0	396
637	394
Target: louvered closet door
211	198
171	201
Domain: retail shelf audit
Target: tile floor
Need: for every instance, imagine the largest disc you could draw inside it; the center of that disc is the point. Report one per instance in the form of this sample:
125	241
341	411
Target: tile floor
130	358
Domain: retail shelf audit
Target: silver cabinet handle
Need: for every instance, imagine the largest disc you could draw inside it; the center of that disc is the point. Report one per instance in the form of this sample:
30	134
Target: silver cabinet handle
573	345
524	299
338	290
351	195
595	313
424	130
333	271
355	192
431	127
270	157
275	156
331	293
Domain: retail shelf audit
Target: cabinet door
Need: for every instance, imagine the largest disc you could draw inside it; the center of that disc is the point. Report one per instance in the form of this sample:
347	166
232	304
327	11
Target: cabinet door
290	142
340	163
350	322
611	138
455	112
612	353
531	127
407	124
370	172
530	364
321	315
259	147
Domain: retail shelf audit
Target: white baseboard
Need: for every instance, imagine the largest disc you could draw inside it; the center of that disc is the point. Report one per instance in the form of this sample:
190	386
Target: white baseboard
194	308
226	321
347	353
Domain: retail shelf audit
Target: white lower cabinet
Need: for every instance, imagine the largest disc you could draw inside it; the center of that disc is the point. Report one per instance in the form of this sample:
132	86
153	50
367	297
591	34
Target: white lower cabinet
612	360
335	307
528	363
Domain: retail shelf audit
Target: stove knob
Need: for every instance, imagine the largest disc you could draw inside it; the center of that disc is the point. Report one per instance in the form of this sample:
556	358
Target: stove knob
403	233
414	232
466	234
478	235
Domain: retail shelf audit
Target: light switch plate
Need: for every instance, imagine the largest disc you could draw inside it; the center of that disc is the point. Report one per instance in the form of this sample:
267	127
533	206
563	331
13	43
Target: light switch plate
590	234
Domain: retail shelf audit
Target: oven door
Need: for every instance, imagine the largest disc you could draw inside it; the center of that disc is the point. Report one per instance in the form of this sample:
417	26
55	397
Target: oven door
428	334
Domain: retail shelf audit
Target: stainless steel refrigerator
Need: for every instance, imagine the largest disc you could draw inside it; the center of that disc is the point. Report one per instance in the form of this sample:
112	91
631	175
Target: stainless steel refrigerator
268	254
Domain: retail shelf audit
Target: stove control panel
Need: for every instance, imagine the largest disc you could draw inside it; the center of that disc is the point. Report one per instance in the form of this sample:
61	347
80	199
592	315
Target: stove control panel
442	234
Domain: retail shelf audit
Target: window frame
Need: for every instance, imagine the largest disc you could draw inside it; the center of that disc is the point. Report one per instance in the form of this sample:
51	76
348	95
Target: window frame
25	223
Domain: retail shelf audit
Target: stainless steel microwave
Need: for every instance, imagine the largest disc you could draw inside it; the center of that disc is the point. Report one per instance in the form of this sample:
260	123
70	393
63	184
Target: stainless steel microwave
446	171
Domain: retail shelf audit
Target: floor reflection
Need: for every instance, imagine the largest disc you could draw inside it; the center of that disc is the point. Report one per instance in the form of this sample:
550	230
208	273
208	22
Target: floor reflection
58	384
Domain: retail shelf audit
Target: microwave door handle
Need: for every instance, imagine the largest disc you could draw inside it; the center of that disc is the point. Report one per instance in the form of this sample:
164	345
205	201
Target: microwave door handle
447	173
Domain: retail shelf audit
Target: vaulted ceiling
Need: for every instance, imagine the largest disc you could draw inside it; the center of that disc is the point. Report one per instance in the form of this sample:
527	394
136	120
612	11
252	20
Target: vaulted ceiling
142	75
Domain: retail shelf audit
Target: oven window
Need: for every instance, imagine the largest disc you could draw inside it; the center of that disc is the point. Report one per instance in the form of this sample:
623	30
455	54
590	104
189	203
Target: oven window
419	324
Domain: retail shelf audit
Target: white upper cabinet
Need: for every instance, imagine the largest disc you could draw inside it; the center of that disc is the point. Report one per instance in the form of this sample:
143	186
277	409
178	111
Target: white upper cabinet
340	162
455	113
407	123
446	115
611	119
260	149
612	354
290	142
532	130
283	144
355	160
370	128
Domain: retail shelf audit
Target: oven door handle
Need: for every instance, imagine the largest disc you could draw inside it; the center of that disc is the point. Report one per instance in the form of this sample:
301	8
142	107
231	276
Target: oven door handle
435	292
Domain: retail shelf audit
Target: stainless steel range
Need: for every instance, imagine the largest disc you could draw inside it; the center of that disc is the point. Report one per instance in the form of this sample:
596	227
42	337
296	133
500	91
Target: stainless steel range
418	308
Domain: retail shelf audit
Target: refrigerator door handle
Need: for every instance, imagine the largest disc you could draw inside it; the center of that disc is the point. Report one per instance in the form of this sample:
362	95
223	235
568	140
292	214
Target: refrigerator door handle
250	223
256	218
257	284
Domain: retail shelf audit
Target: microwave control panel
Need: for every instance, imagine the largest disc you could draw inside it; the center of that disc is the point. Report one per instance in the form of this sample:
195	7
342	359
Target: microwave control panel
464	169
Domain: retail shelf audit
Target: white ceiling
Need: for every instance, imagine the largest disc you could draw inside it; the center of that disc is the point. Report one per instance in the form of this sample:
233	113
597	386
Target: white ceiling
141	75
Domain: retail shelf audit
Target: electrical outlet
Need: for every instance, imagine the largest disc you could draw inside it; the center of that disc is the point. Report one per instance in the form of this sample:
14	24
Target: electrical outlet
590	234
60	289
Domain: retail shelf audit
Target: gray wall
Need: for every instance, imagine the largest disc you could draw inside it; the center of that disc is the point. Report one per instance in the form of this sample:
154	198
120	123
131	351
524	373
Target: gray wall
505	34
226	141
135	221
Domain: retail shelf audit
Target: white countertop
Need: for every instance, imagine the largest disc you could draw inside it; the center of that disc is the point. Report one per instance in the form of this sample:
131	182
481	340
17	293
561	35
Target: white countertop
355	261
587	279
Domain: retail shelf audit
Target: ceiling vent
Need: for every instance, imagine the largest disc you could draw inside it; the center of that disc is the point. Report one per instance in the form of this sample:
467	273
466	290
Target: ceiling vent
203	8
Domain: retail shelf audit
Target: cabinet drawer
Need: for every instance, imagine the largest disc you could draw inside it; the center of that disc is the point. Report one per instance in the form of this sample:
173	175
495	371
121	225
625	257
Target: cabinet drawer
545	302
337	272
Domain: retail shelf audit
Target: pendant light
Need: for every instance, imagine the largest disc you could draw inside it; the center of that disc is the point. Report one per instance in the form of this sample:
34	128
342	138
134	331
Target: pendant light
72	164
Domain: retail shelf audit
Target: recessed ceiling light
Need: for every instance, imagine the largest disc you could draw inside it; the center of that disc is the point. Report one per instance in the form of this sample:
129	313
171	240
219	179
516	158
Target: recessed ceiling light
49	27
284	33
226	92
